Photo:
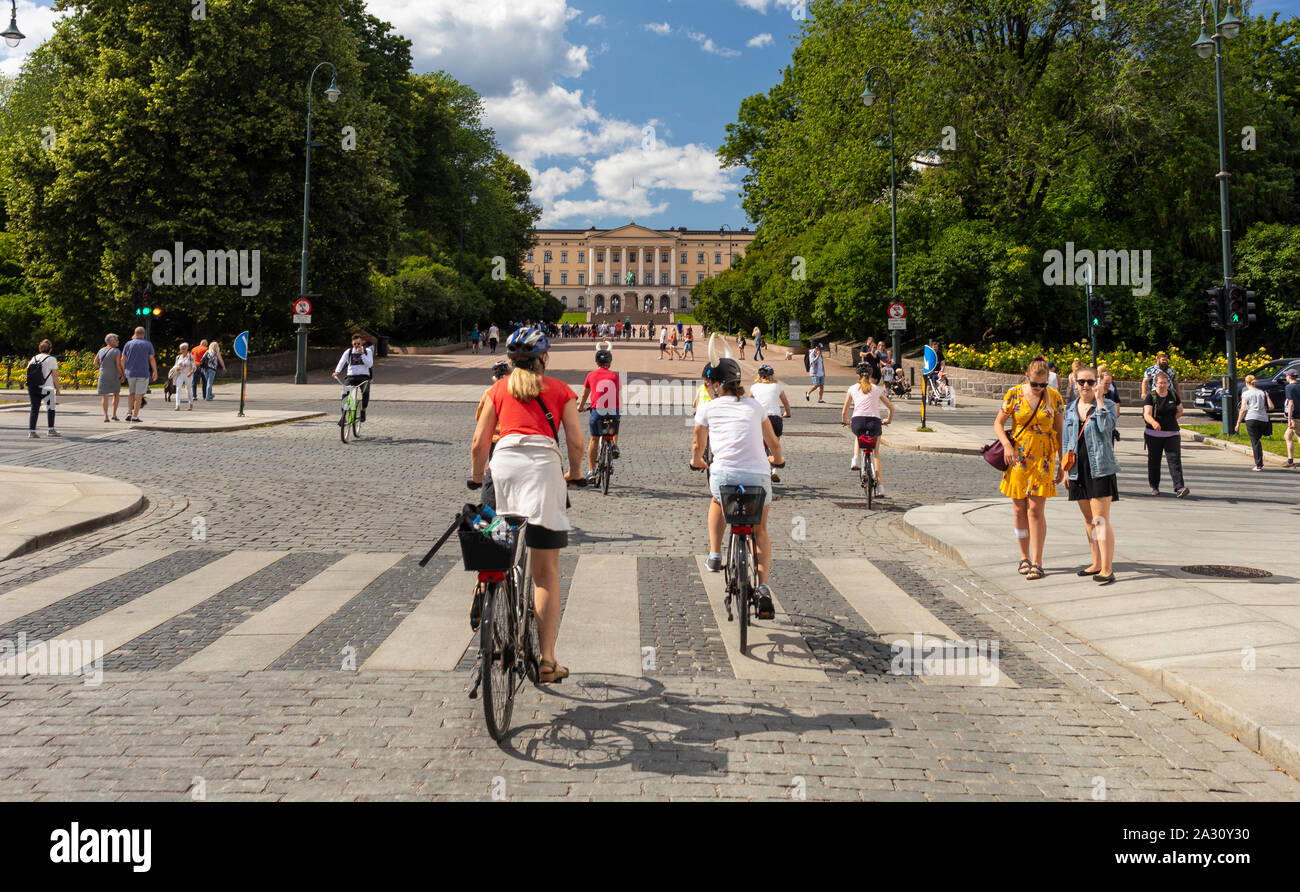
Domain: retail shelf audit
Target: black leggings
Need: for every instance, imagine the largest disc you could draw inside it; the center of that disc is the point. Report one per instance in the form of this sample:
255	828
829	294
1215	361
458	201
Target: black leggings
1172	448
1256	429
37	397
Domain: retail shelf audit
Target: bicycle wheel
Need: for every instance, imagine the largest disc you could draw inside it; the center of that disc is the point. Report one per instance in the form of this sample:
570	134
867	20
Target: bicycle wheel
606	467
742	587
532	646
868	483
343	425
356	425
496	637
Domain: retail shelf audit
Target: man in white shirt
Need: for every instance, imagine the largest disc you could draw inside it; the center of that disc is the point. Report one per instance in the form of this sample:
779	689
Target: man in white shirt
42	385
357	363
494	334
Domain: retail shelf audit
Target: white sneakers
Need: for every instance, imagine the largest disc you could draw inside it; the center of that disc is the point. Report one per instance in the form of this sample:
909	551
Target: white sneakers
856	464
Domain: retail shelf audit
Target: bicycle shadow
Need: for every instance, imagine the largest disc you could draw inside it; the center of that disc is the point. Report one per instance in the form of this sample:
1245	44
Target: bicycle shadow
647	728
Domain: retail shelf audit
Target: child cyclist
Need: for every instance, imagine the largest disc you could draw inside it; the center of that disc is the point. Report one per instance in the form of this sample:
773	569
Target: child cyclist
602	389
736	428
864	398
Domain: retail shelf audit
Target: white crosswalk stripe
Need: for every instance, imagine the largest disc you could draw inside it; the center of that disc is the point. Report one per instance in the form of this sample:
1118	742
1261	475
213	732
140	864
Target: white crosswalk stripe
600	633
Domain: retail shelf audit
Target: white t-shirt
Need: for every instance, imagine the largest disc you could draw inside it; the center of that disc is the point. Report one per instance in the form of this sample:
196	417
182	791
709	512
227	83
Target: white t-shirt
735	434
663	335
356	364
1054	381
494	332
49	365
865	405
1255	402
768	396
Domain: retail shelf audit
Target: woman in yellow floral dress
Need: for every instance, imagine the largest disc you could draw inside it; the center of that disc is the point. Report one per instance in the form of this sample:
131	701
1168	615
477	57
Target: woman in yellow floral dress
1033	460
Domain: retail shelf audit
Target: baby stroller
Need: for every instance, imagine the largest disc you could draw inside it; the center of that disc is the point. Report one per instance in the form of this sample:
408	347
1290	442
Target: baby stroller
899	387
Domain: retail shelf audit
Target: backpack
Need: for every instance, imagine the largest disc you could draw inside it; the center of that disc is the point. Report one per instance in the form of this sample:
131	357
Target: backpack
36	377
807	363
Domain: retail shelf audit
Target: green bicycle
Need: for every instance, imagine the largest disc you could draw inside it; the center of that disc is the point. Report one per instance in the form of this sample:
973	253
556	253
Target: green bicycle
350	416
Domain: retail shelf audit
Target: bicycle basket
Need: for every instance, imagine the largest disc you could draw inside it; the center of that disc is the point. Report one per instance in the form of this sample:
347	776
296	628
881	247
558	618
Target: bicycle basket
741	505
606	427
483	553
867	442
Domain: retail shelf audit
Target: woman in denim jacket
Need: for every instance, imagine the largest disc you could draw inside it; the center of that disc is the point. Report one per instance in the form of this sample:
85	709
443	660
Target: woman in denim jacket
1089	426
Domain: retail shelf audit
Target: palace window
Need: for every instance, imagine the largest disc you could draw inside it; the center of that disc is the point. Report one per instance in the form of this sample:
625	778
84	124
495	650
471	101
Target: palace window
631	255
564	257
547	279
699	277
683	278
582	256
614	255
699	256
717	258
582	302
663	278
600	278
582	278
665	256
532	277
683	303
649	279
683	258
564	278
530	256
600	256
546	256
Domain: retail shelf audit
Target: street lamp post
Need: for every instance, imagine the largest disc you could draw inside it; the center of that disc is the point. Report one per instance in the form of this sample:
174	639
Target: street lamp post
11	34
333	92
460	256
1206	45
869	98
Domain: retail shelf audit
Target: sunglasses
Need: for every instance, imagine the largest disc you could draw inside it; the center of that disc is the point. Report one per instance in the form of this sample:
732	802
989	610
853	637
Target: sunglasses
1085	382
1036	385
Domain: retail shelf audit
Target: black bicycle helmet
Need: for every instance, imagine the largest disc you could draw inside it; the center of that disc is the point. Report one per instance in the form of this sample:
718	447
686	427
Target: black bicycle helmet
767	371
867	370
725	371
604	358
500	370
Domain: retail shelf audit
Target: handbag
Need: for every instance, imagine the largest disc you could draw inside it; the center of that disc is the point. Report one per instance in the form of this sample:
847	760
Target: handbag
995	455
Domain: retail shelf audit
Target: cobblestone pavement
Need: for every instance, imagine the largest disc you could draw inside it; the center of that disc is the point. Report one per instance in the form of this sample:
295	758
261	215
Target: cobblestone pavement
1071	724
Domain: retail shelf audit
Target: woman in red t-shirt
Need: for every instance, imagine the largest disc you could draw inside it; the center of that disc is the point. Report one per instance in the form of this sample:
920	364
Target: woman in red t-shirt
527	472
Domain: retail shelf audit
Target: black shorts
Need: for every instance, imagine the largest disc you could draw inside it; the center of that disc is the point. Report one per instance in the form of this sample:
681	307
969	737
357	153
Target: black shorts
541	537
778	424
865	424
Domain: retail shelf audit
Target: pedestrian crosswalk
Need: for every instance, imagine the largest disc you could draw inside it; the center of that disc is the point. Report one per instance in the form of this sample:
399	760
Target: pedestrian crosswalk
256	610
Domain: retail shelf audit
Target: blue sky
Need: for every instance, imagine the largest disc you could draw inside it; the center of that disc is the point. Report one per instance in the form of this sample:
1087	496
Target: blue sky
573	86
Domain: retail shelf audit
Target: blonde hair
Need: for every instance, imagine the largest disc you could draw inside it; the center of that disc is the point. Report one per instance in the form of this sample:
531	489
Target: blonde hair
215	348
766	379
1075	366
1037	367
525	385
1101	369
1250	379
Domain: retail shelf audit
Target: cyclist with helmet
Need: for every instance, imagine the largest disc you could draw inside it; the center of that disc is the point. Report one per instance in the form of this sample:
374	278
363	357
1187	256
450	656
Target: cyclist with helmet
864	398
736	428
771	396
602	388
529	407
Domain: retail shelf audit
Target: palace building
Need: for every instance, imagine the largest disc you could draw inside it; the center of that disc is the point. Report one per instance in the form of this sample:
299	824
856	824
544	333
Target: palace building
630	269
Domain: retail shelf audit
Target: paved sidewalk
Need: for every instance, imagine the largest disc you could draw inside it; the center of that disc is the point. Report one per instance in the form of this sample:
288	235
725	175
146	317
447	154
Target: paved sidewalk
79	414
1230	648
43	506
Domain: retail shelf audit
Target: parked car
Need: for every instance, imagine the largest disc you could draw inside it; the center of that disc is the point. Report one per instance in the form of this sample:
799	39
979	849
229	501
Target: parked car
1270	377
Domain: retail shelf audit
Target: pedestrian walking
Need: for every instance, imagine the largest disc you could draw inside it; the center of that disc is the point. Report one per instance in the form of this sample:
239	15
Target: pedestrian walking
494	334
109	383
817	372
43	387
1291	408
1053	379
140	367
758	344
473	339
740	342
663	340
1149	376
1161	409
212	360
688	347
672	346
1071	389
197	354
1255	406
1089	422
182	371
1033	458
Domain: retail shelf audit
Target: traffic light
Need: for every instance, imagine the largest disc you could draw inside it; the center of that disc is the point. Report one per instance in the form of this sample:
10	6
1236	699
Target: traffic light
1241	306
1214	308
1099	311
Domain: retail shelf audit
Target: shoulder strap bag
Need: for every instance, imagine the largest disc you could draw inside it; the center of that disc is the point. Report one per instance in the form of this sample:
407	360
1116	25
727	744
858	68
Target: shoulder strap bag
994	454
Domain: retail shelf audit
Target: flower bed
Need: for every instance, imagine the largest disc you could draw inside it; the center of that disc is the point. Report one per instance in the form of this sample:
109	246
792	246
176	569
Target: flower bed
1123	364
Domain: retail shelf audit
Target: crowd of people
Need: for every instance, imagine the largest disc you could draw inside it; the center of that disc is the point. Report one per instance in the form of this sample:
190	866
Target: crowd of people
133	365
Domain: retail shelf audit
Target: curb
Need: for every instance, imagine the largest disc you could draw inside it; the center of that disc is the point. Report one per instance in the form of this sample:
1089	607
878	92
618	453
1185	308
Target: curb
217	430
1269	457
1275	748
44	540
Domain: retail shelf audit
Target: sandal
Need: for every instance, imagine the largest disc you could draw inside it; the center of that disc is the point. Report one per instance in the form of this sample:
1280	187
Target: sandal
553	675
1025	564
1035	572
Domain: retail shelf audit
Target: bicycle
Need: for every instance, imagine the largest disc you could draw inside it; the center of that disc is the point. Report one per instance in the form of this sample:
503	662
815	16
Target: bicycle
867	469
509	650
742	509
605	458
350	416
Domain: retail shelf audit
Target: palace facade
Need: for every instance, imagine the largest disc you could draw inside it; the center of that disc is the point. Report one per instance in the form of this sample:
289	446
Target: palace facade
589	269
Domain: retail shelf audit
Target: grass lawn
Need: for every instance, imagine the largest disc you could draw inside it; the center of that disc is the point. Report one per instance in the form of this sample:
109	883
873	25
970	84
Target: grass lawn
1272	444
684	319
579	318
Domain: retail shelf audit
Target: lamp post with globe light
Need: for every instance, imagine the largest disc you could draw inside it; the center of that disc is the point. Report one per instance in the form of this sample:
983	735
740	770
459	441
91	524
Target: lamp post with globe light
332	92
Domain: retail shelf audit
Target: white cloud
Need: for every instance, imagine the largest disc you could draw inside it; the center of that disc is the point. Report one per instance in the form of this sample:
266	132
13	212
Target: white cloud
706	43
37	24
472	40
663	29
596	21
761	6
760	40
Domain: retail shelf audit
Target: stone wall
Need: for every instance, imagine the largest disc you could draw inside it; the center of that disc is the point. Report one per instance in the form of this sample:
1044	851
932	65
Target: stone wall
281	363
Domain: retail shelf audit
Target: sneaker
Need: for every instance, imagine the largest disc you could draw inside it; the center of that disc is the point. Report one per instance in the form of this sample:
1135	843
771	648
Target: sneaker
1258	468
713	564
806	396
32	435
53	433
1289	463
766	610
363	414
880	492
1182	492
1155	492
855	465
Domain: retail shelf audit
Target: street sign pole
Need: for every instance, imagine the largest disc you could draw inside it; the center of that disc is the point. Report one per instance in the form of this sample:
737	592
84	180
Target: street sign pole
243	384
241	350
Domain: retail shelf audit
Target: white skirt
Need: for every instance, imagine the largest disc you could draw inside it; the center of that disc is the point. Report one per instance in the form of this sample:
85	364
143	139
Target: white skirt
529	479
